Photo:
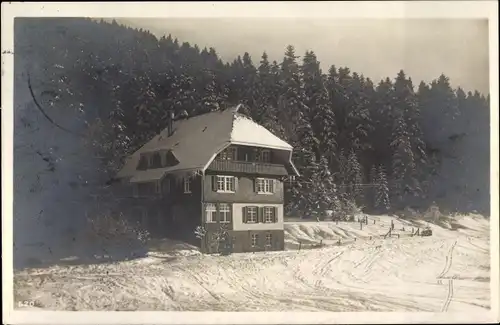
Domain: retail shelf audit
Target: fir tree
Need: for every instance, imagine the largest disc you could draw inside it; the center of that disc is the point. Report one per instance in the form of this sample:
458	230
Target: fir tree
382	198
317	104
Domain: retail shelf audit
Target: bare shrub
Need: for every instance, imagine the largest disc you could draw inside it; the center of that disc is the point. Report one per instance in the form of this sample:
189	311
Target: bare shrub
109	228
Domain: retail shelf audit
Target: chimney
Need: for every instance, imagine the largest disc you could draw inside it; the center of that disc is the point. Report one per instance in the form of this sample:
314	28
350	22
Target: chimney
170	123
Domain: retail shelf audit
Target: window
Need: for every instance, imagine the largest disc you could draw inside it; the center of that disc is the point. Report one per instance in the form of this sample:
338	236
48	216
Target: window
265	156
155	160
265	185
230	153
269	214
255	240
187	185
150	160
262	155
269	240
226	183
225	213
251	214
143	163
158	187
210	213
166	185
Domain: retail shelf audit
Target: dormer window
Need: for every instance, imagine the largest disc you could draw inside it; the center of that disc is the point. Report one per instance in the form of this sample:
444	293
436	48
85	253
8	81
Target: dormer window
143	163
155	160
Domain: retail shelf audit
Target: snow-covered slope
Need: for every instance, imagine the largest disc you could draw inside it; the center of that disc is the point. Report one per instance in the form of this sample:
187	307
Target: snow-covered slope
448	271
54	172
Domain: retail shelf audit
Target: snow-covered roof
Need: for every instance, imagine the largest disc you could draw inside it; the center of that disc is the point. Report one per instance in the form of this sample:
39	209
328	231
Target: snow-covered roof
197	140
247	132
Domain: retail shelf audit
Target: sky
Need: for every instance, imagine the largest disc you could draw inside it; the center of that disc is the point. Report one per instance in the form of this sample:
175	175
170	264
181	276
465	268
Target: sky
376	48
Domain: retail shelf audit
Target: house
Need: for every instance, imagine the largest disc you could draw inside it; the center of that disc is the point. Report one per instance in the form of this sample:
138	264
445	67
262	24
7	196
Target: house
219	170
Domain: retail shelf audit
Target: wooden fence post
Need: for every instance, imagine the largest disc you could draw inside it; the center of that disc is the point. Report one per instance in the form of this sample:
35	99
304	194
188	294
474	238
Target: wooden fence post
361	226
300	245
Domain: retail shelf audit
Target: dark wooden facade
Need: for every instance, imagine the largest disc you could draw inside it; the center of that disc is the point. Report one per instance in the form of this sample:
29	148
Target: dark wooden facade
173	213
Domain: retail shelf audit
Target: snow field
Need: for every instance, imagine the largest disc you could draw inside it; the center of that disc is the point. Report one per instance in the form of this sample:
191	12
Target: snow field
448	271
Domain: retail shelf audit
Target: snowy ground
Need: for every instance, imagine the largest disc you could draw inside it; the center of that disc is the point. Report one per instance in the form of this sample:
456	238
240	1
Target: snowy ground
449	271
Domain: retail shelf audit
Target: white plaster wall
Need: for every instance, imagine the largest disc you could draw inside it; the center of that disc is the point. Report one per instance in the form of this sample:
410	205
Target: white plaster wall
238	218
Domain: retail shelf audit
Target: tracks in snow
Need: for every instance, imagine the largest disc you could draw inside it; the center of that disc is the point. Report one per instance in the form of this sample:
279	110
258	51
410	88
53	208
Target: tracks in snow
449	297
446	269
449	261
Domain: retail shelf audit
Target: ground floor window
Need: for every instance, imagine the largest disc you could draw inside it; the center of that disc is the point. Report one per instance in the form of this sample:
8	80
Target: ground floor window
224	210
225	213
255	240
269	240
210	213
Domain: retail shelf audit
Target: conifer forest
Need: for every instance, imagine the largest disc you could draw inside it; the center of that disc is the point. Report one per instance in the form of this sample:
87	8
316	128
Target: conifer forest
375	145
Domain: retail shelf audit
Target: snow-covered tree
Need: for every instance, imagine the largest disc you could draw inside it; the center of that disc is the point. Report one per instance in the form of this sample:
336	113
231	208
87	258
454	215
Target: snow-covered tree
382	195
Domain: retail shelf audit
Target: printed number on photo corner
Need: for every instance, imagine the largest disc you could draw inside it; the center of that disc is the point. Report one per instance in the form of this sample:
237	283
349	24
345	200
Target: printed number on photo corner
26	303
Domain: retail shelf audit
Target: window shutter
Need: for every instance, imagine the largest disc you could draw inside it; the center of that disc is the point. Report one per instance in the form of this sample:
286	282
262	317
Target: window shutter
272	185
214	183
275	214
235	183
217	212
244	215
230	215
260	213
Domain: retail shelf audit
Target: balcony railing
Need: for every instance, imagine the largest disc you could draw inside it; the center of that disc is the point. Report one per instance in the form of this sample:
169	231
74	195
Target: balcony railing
248	167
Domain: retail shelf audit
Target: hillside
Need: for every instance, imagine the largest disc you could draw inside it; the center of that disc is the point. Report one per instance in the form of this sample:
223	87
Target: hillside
449	271
105	89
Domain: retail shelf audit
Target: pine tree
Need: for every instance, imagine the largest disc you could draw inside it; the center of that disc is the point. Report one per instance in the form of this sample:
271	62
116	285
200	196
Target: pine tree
408	109
291	111
354	175
374	185
403	164
317	104
323	194
382	198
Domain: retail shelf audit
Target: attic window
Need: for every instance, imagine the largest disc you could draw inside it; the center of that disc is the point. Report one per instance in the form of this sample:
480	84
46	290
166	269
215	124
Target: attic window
143	163
155	160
